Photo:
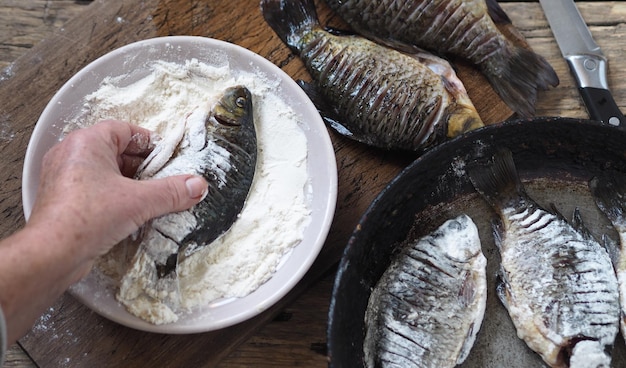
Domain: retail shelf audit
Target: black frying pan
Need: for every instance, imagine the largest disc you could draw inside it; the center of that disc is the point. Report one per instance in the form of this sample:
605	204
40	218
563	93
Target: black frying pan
555	157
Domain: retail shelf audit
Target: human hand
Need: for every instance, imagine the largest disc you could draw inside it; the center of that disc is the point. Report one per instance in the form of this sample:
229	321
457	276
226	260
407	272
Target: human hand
87	199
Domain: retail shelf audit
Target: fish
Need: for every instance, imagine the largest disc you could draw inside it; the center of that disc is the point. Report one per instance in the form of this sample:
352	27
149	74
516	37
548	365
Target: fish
221	146
555	279
609	192
463	29
369	92
427	308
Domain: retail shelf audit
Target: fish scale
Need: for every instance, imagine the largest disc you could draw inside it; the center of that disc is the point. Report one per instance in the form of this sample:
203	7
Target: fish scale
219	144
340	72
427	307
459	28
371	93
557	281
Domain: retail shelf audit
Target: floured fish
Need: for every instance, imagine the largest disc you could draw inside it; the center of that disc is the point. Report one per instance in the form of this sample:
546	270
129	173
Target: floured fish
556	281
463	28
372	93
219	145
609	191
427	308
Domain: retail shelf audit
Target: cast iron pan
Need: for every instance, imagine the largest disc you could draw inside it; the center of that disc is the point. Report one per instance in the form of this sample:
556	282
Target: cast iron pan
555	157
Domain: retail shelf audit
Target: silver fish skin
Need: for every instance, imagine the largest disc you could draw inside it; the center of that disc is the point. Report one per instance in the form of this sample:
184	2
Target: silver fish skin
372	93
428	306
556	281
609	192
461	28
220	146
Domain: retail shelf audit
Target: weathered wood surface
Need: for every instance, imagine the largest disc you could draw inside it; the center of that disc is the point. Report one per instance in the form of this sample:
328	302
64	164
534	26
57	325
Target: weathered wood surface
293	332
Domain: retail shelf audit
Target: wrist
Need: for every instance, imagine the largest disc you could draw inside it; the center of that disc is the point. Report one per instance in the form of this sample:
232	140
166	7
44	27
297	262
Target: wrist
37	269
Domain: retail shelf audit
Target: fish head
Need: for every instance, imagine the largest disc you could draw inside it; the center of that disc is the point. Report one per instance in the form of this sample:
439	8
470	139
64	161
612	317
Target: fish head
463	117
232	109
231	122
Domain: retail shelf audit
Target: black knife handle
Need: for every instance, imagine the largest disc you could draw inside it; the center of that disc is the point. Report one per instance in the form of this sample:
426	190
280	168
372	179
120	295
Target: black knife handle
602	107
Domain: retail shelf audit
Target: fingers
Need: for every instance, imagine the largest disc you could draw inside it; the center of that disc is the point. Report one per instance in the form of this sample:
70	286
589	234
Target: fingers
130	144
171	194
128	164
126	138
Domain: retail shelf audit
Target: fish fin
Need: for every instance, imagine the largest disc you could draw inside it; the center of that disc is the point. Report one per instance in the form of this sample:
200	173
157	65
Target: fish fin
613	248
609	192
290	19
467	291
502	287
498	233
517	75
339	32
162	153
496	13
497	180
579	225
328	114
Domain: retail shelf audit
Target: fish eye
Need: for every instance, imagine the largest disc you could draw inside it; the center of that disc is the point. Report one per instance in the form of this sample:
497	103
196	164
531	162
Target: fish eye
240	101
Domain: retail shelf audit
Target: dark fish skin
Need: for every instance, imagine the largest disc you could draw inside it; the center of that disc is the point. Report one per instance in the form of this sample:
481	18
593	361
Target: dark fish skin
369	92
609	191
556	281
225	151
461	28
428	306
231	127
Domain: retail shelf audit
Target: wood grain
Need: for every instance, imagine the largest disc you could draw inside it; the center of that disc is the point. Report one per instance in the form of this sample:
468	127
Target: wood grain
24	23
294	330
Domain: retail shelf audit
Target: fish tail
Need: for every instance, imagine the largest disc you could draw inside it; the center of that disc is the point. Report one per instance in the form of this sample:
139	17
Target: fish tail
290	19
517	75
145	293
497	14
150	285
497	181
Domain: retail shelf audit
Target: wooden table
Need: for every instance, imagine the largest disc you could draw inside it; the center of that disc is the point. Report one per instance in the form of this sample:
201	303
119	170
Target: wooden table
66	35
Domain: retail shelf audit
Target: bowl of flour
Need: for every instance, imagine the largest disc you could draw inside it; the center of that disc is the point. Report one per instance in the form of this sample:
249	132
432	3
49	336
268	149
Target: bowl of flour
287	215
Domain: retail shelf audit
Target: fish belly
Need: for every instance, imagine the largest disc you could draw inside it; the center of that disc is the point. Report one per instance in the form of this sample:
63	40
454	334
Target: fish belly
429	304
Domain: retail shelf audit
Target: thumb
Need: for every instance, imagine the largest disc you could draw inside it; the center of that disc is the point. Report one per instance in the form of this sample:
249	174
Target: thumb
173	194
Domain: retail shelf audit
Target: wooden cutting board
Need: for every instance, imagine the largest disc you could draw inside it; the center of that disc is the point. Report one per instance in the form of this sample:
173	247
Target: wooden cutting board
85	338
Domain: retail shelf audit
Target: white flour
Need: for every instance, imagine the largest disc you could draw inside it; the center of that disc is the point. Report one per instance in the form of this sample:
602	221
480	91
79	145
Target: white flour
276	212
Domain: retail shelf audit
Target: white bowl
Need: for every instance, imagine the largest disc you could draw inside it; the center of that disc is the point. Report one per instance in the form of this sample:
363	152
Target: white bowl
321	167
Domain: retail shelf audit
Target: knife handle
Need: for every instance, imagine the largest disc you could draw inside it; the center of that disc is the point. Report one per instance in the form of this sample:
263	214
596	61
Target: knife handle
601	106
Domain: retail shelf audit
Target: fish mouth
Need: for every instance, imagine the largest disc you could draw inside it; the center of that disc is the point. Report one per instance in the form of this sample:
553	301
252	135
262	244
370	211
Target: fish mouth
224	120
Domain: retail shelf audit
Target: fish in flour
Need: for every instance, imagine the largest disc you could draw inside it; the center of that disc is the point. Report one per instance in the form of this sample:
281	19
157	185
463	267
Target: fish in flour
609	191
371	93
428	306
556	281
462	28
220	146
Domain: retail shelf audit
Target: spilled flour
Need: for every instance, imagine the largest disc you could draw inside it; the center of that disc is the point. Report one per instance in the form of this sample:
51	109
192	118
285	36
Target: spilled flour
277	210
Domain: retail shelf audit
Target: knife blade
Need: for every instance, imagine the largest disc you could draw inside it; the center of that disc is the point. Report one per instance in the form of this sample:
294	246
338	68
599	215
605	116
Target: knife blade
585	59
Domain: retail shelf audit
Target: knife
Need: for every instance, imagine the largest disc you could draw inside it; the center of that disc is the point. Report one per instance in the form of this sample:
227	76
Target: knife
585	59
